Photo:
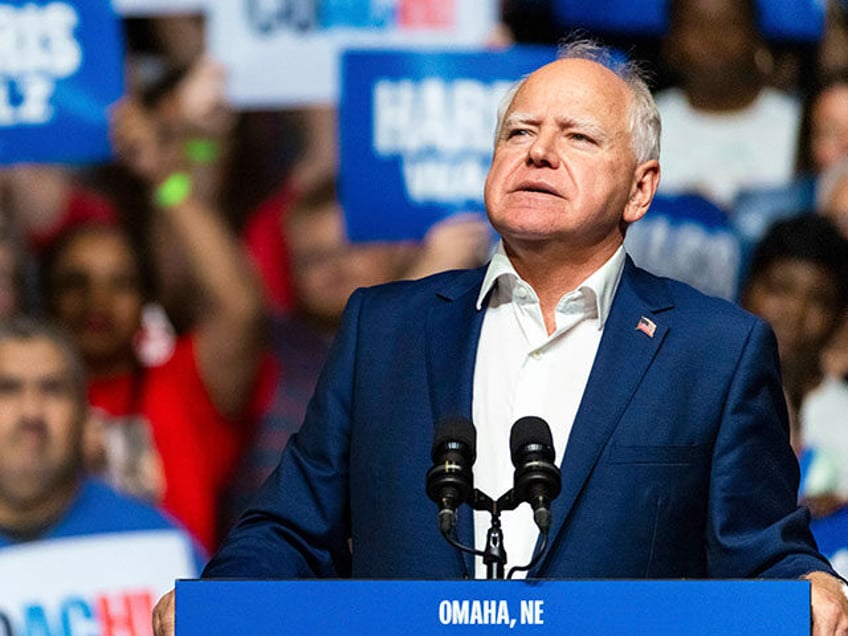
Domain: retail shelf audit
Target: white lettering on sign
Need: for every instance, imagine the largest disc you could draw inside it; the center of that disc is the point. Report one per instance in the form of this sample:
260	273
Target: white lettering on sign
269	16
708	260
443	181
37	47
39	39
474	612
531	612
443	132
434	114
93	585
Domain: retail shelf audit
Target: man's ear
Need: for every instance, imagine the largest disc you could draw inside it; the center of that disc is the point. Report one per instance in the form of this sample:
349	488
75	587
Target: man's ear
646	178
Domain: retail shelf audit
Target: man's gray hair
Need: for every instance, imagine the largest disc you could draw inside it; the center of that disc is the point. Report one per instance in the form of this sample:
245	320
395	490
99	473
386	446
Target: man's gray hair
27	328
644	126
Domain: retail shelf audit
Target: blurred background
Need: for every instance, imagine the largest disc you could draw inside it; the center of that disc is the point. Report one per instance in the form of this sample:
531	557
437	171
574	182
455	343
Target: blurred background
193	188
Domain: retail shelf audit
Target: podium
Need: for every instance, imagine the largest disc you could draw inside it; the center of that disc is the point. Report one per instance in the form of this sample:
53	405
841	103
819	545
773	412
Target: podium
354	607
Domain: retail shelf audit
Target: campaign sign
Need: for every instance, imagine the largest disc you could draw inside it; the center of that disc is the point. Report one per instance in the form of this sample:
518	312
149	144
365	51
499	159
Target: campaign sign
96	585
614	16
286	52
793	19
689	238
541	608
417	132
61	65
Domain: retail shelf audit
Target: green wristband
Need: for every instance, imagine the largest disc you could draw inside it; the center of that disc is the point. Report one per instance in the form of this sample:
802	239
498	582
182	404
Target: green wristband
173	190
201	151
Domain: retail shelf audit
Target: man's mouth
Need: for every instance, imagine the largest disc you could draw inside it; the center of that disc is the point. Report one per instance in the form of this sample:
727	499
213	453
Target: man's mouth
537	187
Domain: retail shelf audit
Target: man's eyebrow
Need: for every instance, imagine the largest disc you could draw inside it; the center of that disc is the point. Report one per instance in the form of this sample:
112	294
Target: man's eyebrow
587	126
517	119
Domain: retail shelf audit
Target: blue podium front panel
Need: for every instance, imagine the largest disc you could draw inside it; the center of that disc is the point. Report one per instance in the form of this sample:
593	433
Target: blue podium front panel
212	607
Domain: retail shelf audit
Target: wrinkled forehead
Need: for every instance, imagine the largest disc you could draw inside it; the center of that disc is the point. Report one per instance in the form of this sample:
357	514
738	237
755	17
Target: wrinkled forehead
574	83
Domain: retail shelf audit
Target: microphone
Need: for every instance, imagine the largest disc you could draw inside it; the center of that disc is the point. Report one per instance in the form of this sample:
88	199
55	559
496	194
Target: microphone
537	478
450	481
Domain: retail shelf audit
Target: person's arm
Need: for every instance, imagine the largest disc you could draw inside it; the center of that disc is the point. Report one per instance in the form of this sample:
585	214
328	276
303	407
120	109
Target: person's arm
756	528
230	329
165	615
829	604
457	242
298	524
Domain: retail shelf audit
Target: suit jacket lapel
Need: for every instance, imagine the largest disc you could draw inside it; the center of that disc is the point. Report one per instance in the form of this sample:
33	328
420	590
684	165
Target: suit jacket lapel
453	331
624	355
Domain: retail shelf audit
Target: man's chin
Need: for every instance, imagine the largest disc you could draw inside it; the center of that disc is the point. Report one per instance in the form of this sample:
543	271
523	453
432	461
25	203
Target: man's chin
527	236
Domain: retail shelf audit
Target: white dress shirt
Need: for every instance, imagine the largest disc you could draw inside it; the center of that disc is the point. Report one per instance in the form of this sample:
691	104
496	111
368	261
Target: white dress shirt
520	370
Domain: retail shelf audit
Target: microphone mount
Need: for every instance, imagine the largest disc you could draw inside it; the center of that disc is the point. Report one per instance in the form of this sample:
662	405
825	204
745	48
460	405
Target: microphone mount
494	554
536	481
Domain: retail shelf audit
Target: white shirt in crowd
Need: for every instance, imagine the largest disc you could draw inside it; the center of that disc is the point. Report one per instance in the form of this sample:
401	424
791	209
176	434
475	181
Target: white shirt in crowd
824	427
719	154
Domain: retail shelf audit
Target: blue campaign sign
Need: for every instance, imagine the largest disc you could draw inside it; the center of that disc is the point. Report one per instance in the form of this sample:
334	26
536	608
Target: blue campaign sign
785	19
793	19
416	134
423	608
614	16
689	238
61	65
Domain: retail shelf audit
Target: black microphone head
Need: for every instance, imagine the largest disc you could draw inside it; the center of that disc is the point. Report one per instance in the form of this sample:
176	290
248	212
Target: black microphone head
456	432
537	479
530	434
450	481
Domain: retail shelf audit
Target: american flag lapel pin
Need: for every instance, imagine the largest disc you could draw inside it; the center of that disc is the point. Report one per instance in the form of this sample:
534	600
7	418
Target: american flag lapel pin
646	326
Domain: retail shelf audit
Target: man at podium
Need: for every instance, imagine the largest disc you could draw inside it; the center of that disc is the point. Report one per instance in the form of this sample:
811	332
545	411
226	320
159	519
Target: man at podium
665	405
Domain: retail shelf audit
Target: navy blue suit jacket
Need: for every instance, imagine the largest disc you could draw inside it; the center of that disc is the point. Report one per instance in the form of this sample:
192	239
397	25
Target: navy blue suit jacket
678	463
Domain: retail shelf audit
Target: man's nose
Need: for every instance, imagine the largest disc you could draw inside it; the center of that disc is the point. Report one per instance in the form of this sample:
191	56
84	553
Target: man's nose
543	151
98	295
31	403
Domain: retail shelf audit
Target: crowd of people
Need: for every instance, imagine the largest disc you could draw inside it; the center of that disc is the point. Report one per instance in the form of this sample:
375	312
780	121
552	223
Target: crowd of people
178	303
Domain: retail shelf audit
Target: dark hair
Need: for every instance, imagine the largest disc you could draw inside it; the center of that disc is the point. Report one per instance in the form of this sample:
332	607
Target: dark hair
51	256
810	238
28	328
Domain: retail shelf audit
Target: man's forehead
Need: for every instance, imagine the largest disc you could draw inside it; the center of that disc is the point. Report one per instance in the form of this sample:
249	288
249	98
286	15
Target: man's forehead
571	82
40	354
571	71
